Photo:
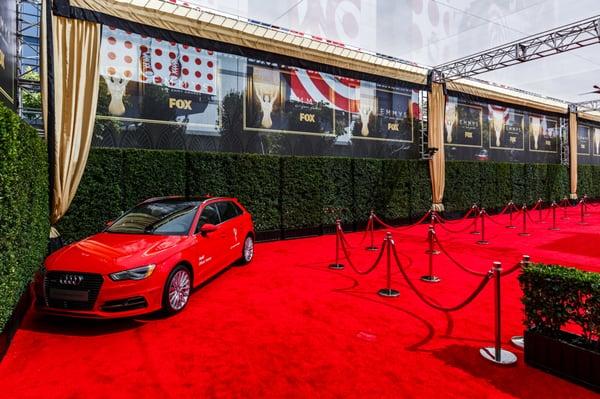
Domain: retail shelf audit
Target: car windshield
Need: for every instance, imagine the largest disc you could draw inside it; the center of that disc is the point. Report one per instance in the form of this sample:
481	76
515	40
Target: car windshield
162	217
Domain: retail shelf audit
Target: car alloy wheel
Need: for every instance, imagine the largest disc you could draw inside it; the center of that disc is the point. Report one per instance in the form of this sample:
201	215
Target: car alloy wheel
248	249
179	289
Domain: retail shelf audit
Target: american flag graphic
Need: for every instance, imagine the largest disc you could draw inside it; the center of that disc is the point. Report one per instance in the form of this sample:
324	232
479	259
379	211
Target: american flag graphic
145	59
340	93
311	87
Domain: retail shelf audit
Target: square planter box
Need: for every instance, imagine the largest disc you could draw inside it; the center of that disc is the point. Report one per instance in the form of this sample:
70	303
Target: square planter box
564	359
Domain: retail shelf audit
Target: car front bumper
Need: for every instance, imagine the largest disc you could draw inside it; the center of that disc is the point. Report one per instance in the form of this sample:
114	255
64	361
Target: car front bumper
106	299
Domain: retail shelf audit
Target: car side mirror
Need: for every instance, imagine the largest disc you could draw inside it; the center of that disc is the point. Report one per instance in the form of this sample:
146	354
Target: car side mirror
109	223
208	228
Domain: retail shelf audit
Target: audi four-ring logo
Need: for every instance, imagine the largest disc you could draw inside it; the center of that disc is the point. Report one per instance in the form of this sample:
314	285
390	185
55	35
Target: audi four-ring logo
71	279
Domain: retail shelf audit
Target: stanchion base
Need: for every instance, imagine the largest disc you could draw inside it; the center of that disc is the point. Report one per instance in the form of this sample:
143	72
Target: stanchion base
431	279
524	234
372	248
476	232
388	292
554	228
434	252
506	357
518	341
336	266
511	227
483	242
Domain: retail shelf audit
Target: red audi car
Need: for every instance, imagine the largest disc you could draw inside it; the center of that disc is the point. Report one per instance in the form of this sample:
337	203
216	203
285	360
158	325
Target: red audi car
148	259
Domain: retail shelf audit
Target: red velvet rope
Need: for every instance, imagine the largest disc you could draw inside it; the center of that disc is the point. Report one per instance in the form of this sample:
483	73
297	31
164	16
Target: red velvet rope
512	269
410	226
488	276
347	255
491	219
469	212
460	266
467	227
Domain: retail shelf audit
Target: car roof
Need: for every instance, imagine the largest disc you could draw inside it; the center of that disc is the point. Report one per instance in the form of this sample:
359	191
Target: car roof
183	198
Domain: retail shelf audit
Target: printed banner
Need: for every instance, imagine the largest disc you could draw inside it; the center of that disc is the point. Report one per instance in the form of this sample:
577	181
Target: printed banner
149	79
583	139
8	51
463	124
507	127
299	101
478	130
543	134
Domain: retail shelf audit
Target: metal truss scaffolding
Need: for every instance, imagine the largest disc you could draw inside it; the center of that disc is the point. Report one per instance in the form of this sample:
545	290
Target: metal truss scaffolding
587	106
28	61
569	37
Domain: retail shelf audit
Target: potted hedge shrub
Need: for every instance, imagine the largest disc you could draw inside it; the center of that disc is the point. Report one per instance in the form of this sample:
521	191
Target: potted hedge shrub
562	322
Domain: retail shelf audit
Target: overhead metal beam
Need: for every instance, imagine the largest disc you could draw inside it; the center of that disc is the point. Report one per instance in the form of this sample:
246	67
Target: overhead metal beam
569	37
586	106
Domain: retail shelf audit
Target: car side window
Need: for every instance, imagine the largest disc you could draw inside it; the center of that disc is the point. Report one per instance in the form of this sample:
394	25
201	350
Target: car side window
228	210
209	214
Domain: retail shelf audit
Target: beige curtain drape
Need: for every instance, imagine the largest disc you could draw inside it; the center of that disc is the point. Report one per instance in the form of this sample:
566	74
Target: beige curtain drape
76	50
573	153
437	167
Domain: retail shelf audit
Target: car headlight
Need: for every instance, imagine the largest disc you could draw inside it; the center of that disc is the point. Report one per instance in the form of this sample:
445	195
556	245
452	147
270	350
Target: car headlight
139	273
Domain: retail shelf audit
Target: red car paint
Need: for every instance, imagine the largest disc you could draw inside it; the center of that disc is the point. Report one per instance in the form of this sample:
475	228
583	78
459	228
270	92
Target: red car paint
104	253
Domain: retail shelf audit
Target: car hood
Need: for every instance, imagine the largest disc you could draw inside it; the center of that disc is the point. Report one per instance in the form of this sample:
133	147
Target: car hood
110	252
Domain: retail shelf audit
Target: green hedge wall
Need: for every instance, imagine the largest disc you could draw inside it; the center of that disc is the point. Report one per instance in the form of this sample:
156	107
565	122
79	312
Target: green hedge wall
23	208
290	193
492	185
281	192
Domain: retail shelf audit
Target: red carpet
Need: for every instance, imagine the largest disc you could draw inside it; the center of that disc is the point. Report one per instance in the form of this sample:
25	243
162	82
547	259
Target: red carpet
286	326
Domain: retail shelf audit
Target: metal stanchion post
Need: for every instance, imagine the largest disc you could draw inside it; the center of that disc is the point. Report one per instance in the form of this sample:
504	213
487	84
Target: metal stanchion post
553	217
430	277
475	231
496	354
338	228
483	241
371	227
565	202
389	291
511	205
540	202
582	220
524	233
430	234
519	340
585	198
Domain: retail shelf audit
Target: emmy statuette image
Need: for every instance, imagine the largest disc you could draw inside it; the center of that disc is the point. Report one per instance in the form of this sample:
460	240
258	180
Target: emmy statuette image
498	117
266	88
367	107
450	119
535	128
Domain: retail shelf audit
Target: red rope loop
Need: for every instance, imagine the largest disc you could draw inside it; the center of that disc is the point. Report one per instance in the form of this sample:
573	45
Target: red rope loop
410	226
488	276
512	269
467	227
491	219
457	263
347	255
468	214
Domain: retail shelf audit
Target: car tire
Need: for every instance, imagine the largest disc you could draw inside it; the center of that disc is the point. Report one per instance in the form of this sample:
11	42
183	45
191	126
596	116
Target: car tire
177	290
247	250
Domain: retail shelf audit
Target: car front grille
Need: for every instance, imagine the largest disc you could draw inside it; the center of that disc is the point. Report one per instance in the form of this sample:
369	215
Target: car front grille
89	283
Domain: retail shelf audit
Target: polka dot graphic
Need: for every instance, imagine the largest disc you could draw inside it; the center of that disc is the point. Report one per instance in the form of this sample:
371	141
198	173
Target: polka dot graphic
158	62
